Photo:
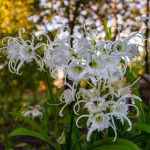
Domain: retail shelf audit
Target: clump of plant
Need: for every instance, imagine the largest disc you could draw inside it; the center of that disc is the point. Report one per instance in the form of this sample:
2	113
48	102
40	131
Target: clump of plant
96	69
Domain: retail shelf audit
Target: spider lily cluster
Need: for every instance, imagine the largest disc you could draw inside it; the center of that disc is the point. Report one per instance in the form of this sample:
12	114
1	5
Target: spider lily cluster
101	64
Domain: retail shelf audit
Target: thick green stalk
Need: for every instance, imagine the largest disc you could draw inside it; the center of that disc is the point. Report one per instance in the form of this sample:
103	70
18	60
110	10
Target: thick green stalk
71	122
52	99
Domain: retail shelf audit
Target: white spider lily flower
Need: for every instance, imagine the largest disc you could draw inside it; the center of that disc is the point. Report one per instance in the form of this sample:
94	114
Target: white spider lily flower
129	95
87	94
20	51
61	55
13	49
116	75
48	59
26	53
103	76
83	43
96	105
76	71
67	96
34	112
112	61
94	65
125	90
133	51
100	46
100	122
120	108
121	117
83	53
118	46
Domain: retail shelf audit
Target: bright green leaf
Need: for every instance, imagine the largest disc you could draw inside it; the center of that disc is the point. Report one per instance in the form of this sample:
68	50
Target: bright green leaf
25	145
35	126
7	143
140	138
61	139
141	126
108	144
148	114
136	92
81	138
23	131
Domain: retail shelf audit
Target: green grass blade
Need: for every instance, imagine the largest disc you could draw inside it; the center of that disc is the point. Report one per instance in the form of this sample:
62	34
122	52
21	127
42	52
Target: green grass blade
109	144
35	126
7	143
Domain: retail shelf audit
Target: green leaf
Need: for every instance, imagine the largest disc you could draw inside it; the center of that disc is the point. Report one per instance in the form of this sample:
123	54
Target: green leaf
25	145
105	27
148	113
81	138
138	103
108	144
62	139
147	146
140	138
7	143
45	117
76	136
23	131
141	126
109	33
35	126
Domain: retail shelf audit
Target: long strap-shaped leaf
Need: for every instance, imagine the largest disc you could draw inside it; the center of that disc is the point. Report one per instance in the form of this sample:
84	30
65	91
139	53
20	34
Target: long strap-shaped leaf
108	144
141	126
35	126
131	79
23	131
140	138
7	143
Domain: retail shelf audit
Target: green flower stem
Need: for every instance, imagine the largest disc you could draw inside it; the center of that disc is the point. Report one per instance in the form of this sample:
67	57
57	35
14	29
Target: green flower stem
71	121
52	99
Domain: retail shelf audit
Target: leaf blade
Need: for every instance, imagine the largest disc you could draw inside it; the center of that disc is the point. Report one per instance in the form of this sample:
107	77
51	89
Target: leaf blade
35	126
7	143
108	143
23	131
141	126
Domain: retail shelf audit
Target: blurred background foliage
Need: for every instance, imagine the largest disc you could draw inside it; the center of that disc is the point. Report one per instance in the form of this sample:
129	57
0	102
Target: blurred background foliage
47	16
